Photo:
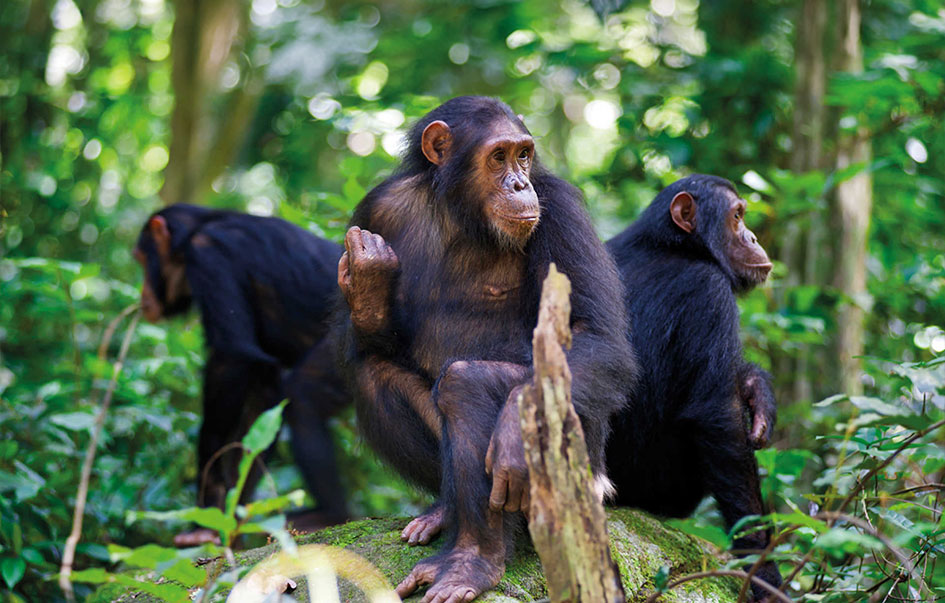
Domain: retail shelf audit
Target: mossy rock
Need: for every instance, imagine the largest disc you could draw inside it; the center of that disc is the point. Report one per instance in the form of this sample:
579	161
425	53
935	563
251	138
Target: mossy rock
640	545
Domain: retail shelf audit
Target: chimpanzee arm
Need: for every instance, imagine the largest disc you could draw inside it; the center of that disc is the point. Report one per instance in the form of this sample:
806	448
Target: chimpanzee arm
376	372
753	385
223	292
602	363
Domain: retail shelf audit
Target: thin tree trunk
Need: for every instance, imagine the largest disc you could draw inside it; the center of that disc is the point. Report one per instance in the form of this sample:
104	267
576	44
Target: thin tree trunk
204	140
802	243
566	520
852	207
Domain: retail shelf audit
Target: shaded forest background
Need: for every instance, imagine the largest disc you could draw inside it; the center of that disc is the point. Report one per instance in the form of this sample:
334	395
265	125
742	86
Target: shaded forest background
828	115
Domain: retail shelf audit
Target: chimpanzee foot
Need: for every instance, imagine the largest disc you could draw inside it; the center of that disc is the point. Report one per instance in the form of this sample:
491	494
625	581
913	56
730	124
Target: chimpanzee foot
424	528
196	538
456	577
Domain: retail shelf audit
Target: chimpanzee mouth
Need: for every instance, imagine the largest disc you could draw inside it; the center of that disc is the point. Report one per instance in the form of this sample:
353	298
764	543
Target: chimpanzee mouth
527	218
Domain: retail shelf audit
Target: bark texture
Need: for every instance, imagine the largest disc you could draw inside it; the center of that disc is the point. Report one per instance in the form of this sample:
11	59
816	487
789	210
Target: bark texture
566	521
852	208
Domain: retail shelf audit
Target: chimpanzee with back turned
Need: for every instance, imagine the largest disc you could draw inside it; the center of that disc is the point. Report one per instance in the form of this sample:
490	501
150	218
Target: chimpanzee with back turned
699	408
442	275
265	289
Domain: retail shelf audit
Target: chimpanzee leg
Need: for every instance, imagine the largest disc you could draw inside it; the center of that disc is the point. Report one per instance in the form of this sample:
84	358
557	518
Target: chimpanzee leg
470	396
386	395
731	474
316	392
314	453
235	393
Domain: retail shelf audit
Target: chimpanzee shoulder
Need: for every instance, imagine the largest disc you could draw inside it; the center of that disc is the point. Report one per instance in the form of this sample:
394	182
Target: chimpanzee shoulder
567	237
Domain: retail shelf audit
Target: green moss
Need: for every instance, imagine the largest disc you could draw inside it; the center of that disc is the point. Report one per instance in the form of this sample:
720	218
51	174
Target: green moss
640	544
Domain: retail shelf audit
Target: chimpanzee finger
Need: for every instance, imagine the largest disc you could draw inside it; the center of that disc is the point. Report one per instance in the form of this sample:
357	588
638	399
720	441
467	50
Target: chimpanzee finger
516	492
499	494
380	246
344	275
353	242
389	254
489	459
370	245
759	432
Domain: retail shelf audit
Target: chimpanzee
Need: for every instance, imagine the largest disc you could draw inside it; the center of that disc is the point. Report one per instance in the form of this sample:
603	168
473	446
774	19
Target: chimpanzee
442	275
686	435
265	289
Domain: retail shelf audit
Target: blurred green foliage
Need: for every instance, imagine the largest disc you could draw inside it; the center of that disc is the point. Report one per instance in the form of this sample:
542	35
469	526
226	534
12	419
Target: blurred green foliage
620	106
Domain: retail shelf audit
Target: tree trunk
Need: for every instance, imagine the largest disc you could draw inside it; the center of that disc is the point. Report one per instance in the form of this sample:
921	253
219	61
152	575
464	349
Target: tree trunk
566	521
803	241
851	208
203	138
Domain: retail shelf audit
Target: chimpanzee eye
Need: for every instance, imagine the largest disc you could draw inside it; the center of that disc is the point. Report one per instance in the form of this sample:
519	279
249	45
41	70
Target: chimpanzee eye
499	155
524	155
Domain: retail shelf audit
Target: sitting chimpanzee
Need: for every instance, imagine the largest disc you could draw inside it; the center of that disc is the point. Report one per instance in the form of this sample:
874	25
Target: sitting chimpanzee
687	435
265	289
442	275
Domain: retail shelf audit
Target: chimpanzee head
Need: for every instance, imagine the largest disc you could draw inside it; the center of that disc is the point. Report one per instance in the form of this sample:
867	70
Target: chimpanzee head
165	291
705	215
479	157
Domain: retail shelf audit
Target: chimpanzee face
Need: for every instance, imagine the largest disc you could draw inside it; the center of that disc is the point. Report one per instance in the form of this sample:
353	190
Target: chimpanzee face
746	256
503	166
498	176
165	290
735	243
151	307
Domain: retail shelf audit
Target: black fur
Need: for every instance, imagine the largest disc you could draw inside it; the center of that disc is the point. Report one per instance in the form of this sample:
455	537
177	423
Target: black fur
265	289
685	436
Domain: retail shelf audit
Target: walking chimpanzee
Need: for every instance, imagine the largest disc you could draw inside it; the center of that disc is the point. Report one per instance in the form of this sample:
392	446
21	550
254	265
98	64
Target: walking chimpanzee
442	276
686	434
265	289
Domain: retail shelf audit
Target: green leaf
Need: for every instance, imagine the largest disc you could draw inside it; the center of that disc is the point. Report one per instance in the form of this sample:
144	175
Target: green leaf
208	517
8	449
839	542
93	575
149	556
829	401
265	429
32	556
169	592
661	578
270	505
798	518
12	570
76	421
713	534
183	571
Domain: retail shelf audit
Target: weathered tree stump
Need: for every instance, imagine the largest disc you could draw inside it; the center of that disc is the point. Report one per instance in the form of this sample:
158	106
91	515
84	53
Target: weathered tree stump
566	520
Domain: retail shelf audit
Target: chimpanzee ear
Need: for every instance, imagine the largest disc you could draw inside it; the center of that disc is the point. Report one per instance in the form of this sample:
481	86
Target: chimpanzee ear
436	142
161	235
683	210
